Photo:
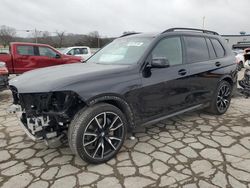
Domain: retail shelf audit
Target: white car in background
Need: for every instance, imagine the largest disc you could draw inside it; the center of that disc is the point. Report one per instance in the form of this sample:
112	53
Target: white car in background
82	51
239	54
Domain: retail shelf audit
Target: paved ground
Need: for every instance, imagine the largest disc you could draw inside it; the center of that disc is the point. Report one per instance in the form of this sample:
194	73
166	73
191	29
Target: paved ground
192	150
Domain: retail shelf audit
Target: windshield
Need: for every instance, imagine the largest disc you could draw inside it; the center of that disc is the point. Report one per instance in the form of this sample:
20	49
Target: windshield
64	51
122	51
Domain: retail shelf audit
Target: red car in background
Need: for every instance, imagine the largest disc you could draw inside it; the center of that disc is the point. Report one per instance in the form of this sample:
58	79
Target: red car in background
28	56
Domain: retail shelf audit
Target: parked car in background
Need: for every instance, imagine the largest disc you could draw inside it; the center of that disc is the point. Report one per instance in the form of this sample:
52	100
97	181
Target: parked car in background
247	58
138	79
239	55
82	51
24	57
3	75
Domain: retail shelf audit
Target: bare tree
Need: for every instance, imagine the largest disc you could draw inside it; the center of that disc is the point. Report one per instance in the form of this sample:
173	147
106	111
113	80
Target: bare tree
46	38
61	36
93	39
7	34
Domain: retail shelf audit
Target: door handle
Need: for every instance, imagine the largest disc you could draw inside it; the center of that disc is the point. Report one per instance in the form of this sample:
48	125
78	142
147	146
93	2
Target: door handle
217	64
182	72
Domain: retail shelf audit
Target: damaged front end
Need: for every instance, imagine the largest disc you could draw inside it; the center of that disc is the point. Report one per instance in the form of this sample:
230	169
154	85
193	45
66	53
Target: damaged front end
45	116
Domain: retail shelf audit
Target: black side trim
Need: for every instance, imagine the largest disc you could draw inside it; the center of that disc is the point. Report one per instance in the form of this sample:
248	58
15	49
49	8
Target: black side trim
199	106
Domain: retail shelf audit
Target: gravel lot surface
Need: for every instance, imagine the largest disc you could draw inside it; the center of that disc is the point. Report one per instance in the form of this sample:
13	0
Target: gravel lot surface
191	150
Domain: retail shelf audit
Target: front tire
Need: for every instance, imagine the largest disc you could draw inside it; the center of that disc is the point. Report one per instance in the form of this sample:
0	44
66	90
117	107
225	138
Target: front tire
97	133
221	99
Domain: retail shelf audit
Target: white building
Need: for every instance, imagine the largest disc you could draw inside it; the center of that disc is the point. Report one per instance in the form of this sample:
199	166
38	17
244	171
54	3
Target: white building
237	41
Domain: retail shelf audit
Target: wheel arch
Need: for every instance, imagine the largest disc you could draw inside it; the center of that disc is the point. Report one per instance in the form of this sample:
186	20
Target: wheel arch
118	102
229	79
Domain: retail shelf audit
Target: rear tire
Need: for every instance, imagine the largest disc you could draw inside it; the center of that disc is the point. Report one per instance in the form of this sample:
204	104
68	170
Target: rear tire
221	99
97	133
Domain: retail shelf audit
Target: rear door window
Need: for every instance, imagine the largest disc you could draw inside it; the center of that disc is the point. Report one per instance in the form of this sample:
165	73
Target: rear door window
219	50
196	49
25	50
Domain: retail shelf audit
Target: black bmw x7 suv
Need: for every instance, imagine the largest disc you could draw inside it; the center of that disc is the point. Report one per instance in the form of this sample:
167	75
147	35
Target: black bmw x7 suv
135	80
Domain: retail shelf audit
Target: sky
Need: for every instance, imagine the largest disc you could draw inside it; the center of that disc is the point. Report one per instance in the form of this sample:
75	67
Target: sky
112	17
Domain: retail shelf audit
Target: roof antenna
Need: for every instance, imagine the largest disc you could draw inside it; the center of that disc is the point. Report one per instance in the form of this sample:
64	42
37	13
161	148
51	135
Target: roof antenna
203	22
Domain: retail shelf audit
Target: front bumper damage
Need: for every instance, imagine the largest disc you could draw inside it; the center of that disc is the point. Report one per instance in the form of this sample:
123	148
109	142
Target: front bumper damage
34	127
16	109
44	116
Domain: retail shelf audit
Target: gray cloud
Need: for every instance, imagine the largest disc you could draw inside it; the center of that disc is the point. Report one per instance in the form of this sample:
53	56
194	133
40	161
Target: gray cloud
112	17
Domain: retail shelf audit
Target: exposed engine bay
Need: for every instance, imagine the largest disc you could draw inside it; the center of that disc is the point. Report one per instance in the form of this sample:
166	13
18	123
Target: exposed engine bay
45	115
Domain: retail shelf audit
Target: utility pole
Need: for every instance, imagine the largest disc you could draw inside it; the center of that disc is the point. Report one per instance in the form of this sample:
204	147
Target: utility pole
36	34
203	22
98	42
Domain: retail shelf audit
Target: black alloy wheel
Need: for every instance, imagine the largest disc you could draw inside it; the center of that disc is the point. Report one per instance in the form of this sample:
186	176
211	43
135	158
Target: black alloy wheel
223	98
97	133
103	135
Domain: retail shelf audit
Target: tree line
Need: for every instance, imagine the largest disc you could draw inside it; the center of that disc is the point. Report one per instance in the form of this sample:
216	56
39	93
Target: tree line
59	39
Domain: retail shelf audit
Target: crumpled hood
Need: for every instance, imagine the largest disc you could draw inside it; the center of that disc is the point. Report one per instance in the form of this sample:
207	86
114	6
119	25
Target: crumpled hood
56	77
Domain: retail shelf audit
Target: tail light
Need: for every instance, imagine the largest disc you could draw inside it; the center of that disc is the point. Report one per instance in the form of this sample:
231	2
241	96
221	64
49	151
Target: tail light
3	70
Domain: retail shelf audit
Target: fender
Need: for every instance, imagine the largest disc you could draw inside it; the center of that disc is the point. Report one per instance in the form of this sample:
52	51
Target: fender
117	101
229	78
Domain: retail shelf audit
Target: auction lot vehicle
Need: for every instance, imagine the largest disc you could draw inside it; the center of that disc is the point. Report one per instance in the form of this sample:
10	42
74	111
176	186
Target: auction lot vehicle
239	54
82	51
245	82
3	76
135	80
28	56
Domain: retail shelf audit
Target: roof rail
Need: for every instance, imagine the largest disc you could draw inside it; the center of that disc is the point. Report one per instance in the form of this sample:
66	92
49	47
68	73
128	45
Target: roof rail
190	29
127	34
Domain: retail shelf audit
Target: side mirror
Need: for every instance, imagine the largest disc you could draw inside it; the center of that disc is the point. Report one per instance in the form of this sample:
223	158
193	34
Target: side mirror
69	53
57	56
159	62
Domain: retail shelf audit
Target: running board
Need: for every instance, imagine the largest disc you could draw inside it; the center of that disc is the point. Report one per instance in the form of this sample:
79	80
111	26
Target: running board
199	106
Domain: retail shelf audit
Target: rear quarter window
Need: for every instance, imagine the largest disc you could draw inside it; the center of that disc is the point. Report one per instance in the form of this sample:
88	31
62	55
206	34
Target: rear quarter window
219	50
196	49
212	53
